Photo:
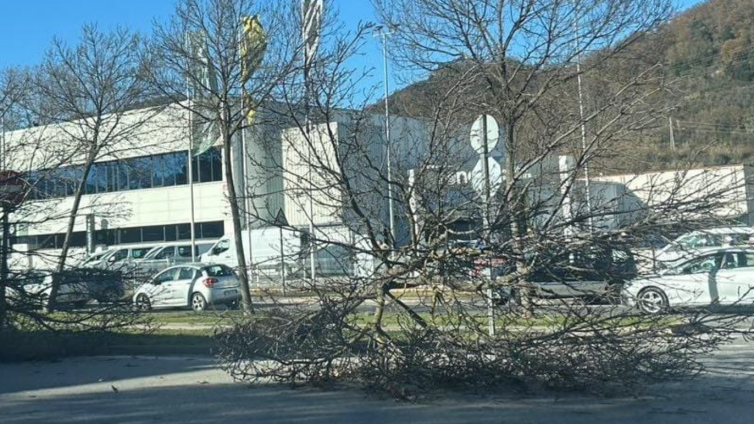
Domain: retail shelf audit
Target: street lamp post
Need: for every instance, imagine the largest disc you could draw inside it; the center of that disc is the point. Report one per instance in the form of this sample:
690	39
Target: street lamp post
382	32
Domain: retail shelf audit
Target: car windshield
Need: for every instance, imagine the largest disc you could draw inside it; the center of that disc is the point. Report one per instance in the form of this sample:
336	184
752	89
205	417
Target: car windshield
218	271
695	266
97	256
152	252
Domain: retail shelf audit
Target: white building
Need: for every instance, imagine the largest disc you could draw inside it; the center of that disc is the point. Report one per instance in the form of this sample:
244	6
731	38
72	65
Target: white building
138	192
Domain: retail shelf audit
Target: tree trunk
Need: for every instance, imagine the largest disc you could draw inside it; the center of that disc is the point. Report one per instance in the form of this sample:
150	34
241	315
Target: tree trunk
69	232
516	224
235	214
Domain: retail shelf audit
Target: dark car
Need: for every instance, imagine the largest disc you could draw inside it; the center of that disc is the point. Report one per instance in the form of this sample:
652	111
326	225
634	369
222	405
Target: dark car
101	285
595	273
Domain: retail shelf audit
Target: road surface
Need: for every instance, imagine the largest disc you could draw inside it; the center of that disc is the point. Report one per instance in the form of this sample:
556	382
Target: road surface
192	390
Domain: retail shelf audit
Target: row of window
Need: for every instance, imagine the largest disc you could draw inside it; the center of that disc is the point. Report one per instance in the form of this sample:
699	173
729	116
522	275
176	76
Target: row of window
164	170
154	233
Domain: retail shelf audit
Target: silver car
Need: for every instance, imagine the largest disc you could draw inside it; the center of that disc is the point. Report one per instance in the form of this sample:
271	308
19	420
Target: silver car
194	285
162	256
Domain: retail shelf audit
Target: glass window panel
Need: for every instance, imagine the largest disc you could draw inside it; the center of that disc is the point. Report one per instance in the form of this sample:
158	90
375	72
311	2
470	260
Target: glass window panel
111	182
205	167
170	234
134	174
140	252
130	235
122	175
186	274
213	229
78	239
91	186
184	231
165	253
153	233
158	171
145	171
184	251
46	241
100	179
195	168
180	164
59	241
216	164
118	256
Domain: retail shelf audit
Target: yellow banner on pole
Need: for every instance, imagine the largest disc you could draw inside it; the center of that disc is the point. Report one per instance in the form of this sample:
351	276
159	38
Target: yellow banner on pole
253	47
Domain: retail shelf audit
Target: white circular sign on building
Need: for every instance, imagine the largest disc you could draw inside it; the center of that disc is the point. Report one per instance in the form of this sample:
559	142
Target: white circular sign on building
477	133
496	176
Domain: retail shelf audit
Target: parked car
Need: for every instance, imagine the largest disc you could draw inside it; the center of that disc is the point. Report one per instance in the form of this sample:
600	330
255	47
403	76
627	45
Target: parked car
96	259
692	244
163	256
597	274
122	258
194	285
720	277
77	286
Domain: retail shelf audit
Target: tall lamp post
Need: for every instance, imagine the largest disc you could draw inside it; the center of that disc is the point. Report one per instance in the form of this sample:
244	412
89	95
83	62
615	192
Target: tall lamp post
382	32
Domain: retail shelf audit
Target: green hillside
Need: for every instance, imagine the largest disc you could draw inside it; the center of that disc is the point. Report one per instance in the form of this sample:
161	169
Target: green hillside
707	52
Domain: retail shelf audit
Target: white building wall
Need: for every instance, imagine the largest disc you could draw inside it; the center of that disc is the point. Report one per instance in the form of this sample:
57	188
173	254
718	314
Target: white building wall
724	189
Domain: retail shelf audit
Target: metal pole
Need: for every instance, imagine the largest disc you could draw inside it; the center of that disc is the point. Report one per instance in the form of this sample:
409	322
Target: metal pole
4	268
486	221
2	146
583	132
388	140
244	167
282	260
672	136
190	157
311	147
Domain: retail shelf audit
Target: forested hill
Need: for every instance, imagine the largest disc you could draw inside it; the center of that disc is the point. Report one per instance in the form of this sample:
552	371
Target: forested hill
709	50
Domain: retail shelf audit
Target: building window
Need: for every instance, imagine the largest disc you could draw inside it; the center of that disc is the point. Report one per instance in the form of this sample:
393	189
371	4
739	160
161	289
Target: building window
153	233
179	166
212	229
150	234
163	170
170	234
130	235
184	231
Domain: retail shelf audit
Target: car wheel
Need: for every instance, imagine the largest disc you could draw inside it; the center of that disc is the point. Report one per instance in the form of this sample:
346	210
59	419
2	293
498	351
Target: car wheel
143	303
109	295
198	303
652	300
612	294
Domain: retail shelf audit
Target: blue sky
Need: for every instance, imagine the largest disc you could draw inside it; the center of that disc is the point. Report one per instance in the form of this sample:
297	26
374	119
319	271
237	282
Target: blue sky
27	26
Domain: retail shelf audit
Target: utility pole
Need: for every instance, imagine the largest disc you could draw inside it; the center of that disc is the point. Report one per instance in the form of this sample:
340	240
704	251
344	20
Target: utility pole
672	137
383	33
584	149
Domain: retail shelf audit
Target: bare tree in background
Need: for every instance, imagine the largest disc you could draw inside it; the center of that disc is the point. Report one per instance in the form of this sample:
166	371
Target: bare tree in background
90	91
35	147
218	25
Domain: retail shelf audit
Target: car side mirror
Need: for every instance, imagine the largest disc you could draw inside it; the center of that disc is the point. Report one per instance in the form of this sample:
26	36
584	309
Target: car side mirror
215	251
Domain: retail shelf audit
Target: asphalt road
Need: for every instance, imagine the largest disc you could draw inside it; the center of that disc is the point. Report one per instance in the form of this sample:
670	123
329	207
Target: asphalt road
193	390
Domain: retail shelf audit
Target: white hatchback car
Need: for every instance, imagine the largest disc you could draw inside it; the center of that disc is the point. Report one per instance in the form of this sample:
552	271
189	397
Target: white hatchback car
692	244
194	285
719	277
